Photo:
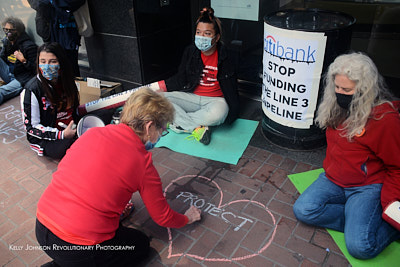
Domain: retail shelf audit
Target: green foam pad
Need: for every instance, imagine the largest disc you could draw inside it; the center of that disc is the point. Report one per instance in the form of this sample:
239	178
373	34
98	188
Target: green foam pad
228	142
388	257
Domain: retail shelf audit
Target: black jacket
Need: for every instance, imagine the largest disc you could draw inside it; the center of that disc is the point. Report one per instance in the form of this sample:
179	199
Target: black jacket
37	108
55	21
189	75
22	72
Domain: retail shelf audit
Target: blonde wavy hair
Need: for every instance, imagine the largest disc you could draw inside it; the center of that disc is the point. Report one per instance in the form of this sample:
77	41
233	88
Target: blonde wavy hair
146	105
370	91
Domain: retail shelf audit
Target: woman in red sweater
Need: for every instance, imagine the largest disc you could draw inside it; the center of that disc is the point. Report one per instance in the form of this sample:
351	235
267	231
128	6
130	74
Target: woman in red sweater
362	131
78	214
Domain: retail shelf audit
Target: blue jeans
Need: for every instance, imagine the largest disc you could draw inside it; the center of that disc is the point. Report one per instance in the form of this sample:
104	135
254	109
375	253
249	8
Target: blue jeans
13	86
355	211
192	111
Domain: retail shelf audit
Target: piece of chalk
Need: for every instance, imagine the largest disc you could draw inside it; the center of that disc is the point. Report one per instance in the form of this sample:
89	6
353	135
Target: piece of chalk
61	124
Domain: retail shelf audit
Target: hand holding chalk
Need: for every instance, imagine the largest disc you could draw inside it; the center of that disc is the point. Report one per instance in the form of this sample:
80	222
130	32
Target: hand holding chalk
193	214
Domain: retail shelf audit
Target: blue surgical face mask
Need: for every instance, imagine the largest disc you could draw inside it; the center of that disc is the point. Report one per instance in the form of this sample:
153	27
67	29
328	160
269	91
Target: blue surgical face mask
203	43
49	71
149	145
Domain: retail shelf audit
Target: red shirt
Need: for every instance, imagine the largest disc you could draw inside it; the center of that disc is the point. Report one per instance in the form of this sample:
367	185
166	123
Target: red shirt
209	85
373	157
95	180
64	117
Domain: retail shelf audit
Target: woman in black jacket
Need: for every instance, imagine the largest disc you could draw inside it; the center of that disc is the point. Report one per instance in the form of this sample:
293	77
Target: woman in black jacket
18	55
49	103
204	91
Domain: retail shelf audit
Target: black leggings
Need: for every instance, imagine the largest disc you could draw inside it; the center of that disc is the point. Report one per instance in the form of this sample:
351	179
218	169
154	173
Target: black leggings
127	248
56	149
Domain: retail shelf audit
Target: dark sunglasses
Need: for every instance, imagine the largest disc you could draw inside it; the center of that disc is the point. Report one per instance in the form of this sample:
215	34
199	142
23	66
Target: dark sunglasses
9	30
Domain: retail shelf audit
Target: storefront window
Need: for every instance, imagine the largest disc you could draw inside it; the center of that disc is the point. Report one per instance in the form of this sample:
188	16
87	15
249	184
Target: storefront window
376	33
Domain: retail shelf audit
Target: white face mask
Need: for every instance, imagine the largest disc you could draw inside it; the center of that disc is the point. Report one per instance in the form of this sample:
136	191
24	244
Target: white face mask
203	43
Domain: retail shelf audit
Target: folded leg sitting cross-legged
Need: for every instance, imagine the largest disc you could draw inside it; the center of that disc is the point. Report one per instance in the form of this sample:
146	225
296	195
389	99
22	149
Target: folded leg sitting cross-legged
356	211
192	111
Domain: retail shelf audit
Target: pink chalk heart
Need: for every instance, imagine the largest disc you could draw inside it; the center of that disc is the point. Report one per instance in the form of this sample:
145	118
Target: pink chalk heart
227	216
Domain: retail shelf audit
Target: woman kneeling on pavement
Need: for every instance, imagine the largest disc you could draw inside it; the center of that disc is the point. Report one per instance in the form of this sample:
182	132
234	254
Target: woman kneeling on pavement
363	146
94	181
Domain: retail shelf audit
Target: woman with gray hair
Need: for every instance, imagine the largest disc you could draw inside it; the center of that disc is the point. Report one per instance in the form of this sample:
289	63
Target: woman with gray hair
362	125
18	56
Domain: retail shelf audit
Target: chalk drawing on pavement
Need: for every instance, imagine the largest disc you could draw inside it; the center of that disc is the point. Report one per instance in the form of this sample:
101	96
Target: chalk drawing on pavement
11	124
235	219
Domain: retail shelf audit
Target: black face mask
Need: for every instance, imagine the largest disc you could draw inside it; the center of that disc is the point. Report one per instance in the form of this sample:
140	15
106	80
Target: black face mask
344	100
12	36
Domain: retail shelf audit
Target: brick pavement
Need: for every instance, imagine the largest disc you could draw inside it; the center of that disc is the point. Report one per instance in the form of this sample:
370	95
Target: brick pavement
253	224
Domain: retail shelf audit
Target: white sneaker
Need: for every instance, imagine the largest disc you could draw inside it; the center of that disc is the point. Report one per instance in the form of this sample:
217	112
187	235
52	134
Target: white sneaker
177	129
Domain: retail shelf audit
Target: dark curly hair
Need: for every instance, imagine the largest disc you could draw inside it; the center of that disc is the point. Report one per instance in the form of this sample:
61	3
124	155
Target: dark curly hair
16	22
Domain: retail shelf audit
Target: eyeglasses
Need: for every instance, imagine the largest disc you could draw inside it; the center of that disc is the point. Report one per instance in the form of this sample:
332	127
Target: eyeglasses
9	30
164	131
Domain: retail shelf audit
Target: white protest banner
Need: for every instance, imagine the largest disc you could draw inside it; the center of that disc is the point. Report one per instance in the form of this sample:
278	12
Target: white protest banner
292	66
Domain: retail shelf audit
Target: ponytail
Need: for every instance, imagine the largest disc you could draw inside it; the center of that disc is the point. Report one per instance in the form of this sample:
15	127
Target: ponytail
207	16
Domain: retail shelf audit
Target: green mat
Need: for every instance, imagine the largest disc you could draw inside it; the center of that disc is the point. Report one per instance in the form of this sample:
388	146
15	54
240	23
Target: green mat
389	257
228	142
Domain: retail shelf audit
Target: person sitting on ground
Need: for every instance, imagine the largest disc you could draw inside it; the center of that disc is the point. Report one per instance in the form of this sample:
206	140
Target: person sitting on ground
49	102
17	58
94	181
204	91
362	124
